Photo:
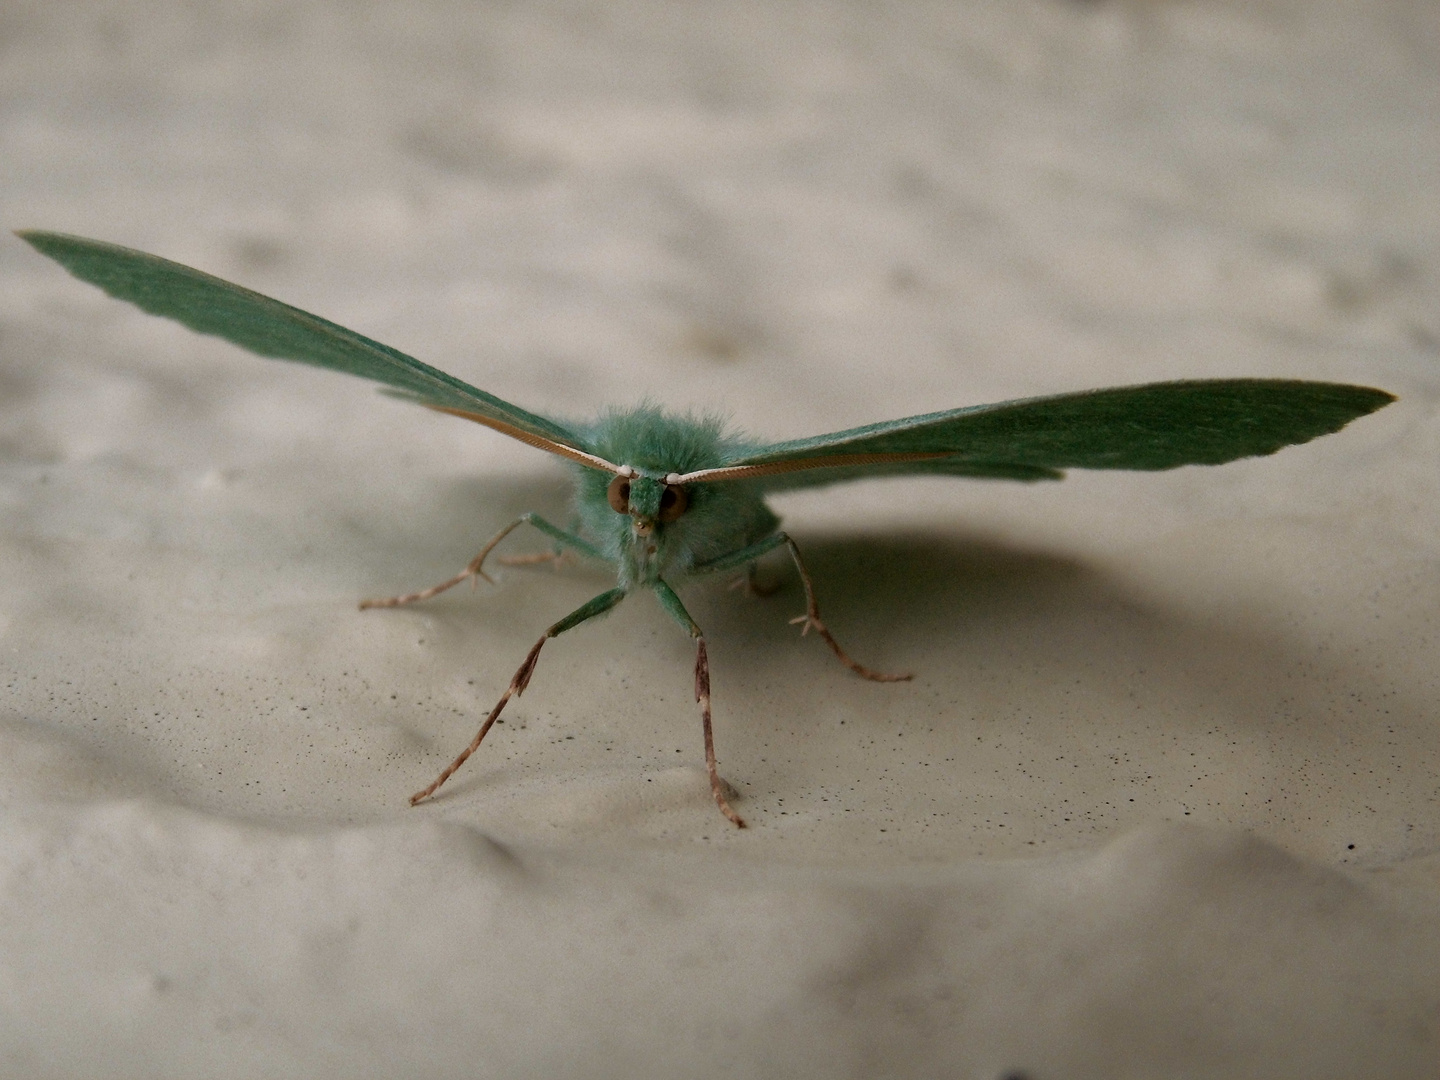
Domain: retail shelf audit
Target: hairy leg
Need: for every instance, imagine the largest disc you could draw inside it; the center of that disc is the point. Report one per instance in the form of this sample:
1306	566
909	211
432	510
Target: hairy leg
671	603
475	569
811	619
597	606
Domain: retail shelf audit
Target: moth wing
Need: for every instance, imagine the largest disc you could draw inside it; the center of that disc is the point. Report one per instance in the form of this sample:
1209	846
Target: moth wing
1149	427
211	305
822	475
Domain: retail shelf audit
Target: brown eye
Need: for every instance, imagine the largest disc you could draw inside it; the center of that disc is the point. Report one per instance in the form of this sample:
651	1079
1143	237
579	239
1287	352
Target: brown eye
673	502
619	494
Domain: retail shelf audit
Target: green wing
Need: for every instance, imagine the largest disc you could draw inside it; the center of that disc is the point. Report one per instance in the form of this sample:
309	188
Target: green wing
1155	426
210	305
1158	426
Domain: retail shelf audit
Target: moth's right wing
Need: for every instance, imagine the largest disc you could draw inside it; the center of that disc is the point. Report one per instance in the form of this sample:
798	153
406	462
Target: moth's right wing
211	305
1149	427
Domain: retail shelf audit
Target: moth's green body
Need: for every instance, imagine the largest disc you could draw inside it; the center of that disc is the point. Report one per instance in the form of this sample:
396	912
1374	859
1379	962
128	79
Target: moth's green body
720	518
662	496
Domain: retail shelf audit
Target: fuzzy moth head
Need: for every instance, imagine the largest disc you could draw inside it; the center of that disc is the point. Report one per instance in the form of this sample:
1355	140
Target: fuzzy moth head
647	499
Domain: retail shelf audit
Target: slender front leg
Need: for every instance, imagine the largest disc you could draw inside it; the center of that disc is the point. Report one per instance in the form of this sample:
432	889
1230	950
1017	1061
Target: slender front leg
811	618
598	606
671	603
476	568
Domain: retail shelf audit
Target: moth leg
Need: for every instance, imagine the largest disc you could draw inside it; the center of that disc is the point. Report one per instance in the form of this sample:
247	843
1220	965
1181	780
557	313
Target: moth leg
811	618
746	556
565	541
811	621
597	606
671	603
475	569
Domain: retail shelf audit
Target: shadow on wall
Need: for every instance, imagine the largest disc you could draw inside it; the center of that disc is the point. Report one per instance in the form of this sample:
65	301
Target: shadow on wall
1069	678
968	610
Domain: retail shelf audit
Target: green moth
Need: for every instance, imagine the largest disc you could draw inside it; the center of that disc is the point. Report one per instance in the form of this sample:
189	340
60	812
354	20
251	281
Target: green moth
663	497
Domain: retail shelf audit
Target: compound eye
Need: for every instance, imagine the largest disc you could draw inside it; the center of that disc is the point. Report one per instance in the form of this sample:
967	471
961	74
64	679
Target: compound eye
673	501
619	494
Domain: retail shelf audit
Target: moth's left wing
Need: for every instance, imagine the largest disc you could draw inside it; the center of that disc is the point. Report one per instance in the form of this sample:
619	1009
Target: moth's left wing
1154	426
211	305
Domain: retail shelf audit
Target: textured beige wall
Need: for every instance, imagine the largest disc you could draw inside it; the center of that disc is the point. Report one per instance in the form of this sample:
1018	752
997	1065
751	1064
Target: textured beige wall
1164	796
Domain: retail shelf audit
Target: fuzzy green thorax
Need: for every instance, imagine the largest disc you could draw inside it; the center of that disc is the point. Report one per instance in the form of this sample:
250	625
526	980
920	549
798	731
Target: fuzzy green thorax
718	518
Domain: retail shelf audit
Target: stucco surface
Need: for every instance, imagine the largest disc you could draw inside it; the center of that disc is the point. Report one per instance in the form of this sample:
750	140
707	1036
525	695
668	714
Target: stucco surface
1163	798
